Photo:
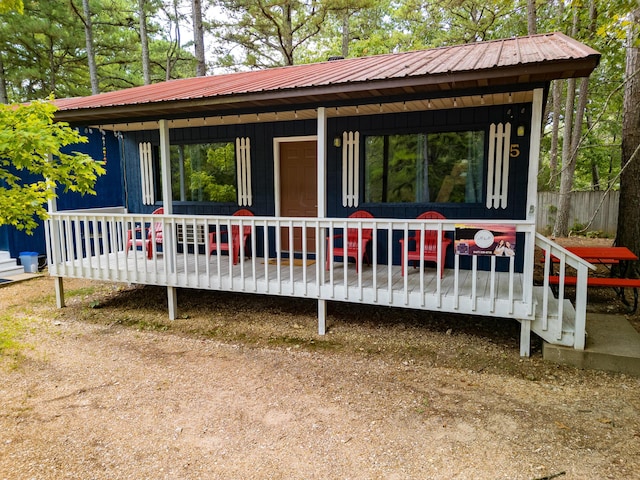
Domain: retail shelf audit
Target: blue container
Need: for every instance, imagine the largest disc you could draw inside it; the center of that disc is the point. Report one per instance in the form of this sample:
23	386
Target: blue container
29	261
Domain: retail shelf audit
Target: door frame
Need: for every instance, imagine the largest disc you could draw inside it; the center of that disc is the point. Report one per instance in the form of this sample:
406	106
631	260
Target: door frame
276	164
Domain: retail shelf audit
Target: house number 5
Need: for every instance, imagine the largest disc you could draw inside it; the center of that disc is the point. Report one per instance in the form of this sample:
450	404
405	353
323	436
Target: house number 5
515	150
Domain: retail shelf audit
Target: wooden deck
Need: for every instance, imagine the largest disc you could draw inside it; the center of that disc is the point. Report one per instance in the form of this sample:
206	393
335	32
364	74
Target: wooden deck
459	291
93	245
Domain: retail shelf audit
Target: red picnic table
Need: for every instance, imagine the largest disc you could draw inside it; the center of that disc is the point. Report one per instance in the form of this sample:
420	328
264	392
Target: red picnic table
605	256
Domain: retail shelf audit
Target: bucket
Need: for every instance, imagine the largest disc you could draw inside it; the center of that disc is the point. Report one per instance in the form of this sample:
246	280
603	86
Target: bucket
29	261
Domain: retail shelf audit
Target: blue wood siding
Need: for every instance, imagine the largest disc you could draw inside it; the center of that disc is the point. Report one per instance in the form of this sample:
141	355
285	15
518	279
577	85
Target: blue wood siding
262	158
108	187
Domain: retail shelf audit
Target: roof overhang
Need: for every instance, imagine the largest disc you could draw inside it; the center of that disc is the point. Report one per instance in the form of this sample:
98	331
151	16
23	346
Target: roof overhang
373	81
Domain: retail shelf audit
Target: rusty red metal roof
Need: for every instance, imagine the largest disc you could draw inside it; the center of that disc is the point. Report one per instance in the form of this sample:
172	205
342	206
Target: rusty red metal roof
537	58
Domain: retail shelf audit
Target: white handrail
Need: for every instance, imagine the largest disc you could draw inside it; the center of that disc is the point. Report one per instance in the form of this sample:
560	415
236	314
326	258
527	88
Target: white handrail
110	246
565	259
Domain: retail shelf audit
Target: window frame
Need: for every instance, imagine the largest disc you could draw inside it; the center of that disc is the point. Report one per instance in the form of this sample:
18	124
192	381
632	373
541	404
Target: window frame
229	141
426	131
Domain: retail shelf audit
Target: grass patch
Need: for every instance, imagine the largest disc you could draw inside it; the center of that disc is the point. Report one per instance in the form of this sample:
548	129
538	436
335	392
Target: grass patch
142	324
81	292
306	343
11	346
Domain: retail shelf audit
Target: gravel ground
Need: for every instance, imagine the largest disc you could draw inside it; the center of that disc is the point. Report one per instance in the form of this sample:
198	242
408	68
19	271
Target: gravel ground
241	387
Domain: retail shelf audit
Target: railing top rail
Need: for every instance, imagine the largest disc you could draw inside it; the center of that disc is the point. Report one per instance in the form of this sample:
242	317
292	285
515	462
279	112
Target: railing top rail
447	224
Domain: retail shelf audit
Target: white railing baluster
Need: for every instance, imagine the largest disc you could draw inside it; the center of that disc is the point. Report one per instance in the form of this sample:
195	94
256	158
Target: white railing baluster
512	282
254	271
390	263
291	256
360	260
345	259
492	283
265	248
374	259
278	256
423	232
456	282
405	279
330	240
474	283
304	258
439	266
241	254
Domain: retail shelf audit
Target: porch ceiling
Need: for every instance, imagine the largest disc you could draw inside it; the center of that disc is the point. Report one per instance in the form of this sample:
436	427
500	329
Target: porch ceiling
341	111
515	63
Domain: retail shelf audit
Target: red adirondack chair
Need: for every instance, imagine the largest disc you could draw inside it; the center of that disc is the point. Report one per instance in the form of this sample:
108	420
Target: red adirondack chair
231	244
430	245
351	248
152	236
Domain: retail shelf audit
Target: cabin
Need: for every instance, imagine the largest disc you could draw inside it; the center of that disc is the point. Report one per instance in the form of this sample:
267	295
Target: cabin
406	180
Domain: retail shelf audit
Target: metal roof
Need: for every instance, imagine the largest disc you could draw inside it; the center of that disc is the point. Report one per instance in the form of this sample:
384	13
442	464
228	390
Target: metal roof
513	61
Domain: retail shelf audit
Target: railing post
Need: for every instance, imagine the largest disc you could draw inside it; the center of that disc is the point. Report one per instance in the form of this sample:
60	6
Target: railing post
581	308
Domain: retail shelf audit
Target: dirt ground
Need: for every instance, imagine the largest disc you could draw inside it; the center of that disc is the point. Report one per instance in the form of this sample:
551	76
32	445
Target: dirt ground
242	387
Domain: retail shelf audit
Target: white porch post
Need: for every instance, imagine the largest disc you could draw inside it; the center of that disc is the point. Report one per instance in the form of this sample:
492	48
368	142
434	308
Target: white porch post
532	207
322	208
54	238
167	204
534	154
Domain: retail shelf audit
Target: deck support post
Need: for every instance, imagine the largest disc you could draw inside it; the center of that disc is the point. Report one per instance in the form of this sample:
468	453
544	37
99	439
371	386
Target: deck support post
525	338
59	286
322	317
172	302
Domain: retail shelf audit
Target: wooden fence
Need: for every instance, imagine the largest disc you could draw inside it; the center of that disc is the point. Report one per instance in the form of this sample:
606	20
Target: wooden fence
594	211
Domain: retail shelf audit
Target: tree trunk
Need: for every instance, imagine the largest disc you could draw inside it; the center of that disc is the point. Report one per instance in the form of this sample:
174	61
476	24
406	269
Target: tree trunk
346	34
144	43
561	226
532	28
4	98
572	135
198	38
555	128
91	56
628	233
287	34
174	42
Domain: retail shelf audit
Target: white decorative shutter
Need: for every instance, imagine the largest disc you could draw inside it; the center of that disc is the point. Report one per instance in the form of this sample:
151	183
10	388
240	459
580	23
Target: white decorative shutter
498	168
350	168
243	168
146	173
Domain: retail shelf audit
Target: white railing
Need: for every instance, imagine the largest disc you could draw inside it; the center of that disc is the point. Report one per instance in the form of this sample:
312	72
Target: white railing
95	245
557	257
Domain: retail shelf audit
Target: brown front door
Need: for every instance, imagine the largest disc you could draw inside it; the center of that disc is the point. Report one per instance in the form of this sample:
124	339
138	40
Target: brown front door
298	189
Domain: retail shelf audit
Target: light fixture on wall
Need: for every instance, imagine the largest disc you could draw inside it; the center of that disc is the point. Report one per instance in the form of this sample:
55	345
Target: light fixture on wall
337	141
520	131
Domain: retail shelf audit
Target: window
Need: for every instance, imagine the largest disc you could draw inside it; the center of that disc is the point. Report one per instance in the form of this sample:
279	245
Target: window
204	172
433	167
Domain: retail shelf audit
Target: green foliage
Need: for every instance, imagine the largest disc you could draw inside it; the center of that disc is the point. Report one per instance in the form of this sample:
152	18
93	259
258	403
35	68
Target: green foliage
43	51
32	163
209	173
269	32
11	5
